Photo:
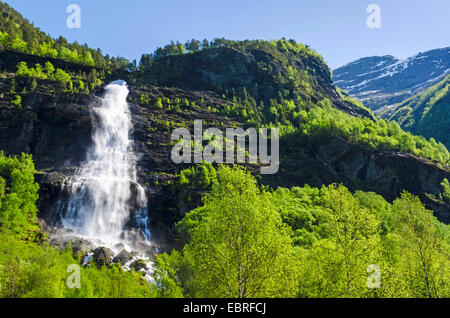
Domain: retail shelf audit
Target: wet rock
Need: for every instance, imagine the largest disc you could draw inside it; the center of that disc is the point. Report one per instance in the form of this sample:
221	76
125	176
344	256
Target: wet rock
102	256
119	246
134	254
80	248
139	265
123	257
63	239
132	235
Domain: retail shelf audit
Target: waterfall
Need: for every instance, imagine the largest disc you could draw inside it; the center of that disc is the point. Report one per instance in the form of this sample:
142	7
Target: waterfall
104	193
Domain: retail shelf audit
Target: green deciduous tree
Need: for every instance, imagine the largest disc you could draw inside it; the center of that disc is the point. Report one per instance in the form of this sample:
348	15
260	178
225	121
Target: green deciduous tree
64	79
17	102
337	266
424	257
446	190
158	103
241	248
49	69
17	196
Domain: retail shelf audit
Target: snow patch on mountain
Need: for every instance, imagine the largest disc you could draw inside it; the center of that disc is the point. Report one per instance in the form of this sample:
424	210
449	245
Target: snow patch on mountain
384	80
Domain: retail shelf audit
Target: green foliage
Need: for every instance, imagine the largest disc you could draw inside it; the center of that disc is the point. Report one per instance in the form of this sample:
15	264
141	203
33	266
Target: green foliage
144	99
17	102
36	72
81	86
446	190
291	72
112	282
49	69
3	39
12	85
64	79
325	122
337	241
30	270
299	209
18	193
167	267
240	248
296	114
273	46
158	103
33	85
294	100
169	49
346	253
48	72
346	97
426	113
199	177
243	242
341	234
424	258
93	79
192	183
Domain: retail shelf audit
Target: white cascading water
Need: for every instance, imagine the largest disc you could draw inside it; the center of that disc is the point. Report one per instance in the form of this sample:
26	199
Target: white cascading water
101	193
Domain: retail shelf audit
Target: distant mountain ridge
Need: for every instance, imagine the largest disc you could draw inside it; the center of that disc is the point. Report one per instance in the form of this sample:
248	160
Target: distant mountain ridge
385	80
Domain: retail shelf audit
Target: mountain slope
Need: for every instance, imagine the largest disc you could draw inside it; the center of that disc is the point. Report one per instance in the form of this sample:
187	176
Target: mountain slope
262	70
319	144
426	113
227	84
385	80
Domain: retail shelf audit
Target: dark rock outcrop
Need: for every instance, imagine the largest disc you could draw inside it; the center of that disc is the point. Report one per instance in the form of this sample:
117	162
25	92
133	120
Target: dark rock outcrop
387	173
9	60
139	265
56	129
221	69
102	256
123	257
62	239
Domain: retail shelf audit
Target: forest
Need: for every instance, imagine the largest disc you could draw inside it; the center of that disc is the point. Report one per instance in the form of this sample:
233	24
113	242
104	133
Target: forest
244	241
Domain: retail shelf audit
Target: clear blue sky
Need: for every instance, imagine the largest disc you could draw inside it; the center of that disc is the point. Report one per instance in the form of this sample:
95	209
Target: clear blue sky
336	29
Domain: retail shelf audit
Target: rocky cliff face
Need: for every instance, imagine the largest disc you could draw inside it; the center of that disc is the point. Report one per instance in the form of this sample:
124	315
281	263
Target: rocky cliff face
334	160
263	75
385	80
9	60
57	131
